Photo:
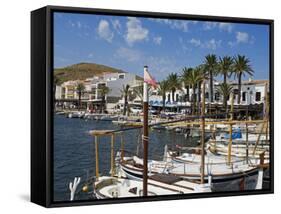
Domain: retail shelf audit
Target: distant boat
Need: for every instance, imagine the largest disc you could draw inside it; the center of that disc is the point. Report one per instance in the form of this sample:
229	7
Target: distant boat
75	114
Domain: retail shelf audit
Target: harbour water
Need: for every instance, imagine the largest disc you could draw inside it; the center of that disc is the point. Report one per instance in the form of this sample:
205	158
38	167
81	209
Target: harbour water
74	149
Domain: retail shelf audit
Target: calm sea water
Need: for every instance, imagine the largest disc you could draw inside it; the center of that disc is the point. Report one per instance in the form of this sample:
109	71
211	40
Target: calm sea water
74	149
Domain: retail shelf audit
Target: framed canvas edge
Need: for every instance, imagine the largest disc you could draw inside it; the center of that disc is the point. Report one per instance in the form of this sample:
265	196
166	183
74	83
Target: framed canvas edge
49	104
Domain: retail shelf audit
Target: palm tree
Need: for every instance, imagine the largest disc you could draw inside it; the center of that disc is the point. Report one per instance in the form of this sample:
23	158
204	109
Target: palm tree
80	88
174	84
225	67
185	76
199	70
103	91
210	64
138	90
125	94
162	89
194	77
241	66
225	90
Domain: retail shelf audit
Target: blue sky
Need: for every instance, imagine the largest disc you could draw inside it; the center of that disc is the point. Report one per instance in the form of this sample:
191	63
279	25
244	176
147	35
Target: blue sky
165	45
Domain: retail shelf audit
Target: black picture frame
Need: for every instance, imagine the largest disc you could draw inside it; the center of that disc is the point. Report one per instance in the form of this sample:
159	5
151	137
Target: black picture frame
42	103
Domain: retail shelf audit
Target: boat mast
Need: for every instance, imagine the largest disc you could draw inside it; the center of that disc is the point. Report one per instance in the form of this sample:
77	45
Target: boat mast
145	133
203	133
230	129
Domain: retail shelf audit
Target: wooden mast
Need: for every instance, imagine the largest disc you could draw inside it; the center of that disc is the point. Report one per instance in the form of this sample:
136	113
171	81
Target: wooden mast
265	118
230	130
112	154
97	156
145	134
203	133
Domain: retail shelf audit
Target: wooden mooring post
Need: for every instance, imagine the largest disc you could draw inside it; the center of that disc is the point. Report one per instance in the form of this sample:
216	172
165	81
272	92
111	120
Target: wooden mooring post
112	162
203	134
97	156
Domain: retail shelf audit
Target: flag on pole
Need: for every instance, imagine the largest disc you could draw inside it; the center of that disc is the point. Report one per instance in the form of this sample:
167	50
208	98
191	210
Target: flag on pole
149	79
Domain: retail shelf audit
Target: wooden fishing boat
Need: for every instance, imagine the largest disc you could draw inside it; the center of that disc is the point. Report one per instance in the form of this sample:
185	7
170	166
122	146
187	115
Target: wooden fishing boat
240	150
233	177
117	187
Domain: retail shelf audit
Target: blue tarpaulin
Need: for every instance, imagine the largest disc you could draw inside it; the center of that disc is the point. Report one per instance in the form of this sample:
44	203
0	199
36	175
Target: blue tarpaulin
236	134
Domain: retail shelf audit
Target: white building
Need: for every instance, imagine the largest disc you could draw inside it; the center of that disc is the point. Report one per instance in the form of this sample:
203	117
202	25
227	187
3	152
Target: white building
252	92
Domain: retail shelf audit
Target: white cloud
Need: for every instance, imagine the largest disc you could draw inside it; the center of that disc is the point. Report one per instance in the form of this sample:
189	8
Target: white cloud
116	25
77	24
104	31
175	24
130	55
209	25
157	40
180	25
222	26
135	31
161	66
183	45
242	37
226	26
90	55
231	44
210	44
195	42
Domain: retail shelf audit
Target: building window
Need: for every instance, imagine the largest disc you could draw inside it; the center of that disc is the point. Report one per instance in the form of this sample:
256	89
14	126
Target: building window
258	96
244	94
177	97
121	76
217	96
169	97
236	91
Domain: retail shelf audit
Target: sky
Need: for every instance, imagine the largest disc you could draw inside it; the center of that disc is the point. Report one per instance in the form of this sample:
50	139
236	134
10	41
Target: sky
164	45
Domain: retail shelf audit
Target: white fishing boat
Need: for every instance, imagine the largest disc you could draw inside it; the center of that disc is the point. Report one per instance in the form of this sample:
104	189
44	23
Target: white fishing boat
193	156
240	150
236	176
116	187
238	137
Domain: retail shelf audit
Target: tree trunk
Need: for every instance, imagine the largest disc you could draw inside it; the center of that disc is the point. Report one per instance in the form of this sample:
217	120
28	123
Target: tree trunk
103	105
164	101
193	99
224	78
125	105
211	86
199	91
187	93
225	103
197	98
239	87
173	95
79	101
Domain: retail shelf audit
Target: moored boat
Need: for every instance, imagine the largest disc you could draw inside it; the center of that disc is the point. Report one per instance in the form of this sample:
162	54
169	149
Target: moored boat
236	176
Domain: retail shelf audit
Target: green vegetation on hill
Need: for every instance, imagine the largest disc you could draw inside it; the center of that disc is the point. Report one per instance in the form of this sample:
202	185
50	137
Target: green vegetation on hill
82	71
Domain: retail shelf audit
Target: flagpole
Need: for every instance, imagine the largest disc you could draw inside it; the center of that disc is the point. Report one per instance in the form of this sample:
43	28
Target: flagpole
145	133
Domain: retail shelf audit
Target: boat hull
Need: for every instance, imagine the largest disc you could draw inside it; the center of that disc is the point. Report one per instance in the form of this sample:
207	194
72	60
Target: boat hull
229	182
